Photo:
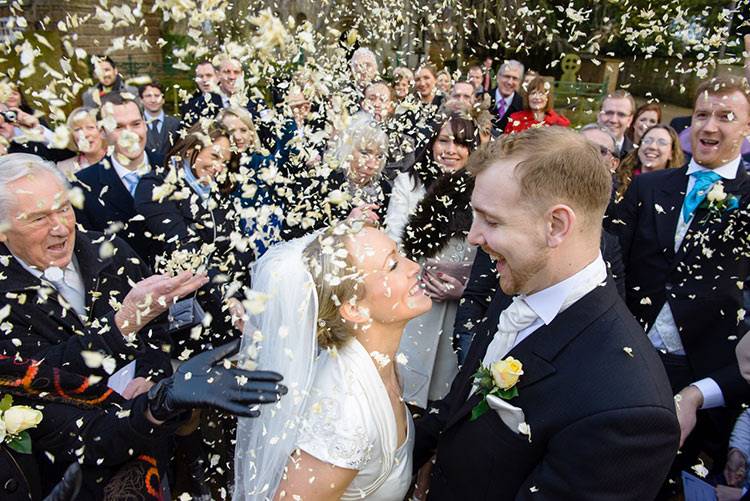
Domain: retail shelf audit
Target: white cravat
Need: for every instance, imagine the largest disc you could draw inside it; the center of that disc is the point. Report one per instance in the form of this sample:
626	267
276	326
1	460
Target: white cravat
515	318
527	313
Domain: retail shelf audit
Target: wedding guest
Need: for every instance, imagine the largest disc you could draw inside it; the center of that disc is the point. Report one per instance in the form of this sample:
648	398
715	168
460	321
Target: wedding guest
108	80
87	139
475	76
616	114
425	80
645	117
505	97
109	185
444	82
673	235
205	101
61	284
364	67
357	159
538	200
188	211
528	77
403	80
123	445
378	101
603	138
259	210
659	149
463	92
162	128
537	108
435	236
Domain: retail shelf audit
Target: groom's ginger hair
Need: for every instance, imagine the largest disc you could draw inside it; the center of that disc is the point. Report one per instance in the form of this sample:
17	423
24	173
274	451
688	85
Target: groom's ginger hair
556	166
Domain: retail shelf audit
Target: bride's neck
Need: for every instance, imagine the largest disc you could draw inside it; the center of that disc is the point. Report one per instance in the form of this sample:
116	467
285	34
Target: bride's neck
381	342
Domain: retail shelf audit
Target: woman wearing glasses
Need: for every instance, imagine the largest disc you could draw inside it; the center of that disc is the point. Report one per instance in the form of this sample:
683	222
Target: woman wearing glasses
537	111
659	149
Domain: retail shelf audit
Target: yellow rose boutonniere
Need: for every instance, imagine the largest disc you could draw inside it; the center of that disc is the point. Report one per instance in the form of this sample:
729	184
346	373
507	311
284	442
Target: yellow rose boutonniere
498	379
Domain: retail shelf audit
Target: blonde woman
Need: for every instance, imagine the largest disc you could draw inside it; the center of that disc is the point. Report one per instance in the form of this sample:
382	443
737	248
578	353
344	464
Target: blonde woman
87	139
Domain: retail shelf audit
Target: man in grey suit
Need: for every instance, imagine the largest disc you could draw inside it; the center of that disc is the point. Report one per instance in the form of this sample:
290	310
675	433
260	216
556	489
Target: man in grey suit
162	128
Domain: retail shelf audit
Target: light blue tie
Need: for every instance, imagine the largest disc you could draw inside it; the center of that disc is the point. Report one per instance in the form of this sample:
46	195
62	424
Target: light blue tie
132	179
704	180
74	297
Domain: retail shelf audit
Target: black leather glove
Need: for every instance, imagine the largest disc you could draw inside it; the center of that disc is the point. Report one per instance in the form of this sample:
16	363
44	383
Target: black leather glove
203	381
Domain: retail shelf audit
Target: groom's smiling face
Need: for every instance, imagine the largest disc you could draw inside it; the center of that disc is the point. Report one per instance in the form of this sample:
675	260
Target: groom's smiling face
508	229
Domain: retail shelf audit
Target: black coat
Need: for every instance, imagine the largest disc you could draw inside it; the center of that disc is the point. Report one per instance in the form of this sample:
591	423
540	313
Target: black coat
603	424
515	105
200	105
627	147
483	284
43	328
166	137
704	293
107	201
188	224
19	476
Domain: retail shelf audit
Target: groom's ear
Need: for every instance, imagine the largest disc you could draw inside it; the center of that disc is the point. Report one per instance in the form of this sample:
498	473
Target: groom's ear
354	313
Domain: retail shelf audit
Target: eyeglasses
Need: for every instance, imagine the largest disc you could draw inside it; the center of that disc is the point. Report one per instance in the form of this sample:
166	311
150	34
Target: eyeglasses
648	141
606	152
612	113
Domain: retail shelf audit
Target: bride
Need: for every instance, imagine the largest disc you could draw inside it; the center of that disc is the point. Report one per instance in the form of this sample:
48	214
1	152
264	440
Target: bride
336	306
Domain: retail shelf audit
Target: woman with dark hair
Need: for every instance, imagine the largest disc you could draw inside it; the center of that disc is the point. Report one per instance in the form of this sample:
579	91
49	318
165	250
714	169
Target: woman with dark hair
659	149
192	222
430	216
537	108
645	117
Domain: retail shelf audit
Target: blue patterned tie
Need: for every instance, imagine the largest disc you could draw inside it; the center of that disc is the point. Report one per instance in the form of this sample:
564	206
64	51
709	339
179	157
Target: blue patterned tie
703	182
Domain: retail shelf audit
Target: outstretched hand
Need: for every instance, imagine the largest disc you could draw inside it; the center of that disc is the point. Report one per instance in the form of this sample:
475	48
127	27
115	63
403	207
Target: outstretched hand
152	296
207	380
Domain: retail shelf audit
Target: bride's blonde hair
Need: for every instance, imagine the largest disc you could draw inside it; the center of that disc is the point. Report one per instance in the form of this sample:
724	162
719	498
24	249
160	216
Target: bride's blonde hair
337	280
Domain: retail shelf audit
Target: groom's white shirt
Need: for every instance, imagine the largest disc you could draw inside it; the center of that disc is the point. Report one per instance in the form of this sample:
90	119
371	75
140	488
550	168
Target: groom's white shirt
549	302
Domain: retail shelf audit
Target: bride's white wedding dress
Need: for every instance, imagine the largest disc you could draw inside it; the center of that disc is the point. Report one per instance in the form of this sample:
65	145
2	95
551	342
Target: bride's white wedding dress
337	408
349	423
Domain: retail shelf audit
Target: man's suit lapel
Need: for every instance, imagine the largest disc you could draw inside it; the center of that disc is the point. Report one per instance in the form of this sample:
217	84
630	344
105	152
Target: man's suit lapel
90	265
704	222
538	351
117	198
669	198
41	294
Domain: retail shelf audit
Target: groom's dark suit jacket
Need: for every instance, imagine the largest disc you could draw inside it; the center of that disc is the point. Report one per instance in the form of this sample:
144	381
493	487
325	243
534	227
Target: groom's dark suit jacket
603	424
702	280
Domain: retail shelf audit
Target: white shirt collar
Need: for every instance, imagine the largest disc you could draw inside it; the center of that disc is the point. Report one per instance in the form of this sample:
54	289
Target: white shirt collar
547	303
124	171
620	142
726	171
152	118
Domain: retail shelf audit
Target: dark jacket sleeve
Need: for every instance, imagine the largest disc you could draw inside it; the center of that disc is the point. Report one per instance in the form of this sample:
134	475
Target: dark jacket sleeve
102	335
625	219
612	254
633	448
479	291
102	436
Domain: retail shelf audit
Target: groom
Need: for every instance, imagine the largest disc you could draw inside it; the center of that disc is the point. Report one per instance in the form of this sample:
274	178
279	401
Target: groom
594	416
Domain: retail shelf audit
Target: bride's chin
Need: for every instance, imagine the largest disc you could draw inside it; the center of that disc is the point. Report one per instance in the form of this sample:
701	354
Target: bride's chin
418	305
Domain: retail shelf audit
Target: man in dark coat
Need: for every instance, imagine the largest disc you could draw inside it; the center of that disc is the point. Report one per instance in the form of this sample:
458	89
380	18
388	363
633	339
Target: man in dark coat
61	287
505	98
162	128
109	186
683	235
574	403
